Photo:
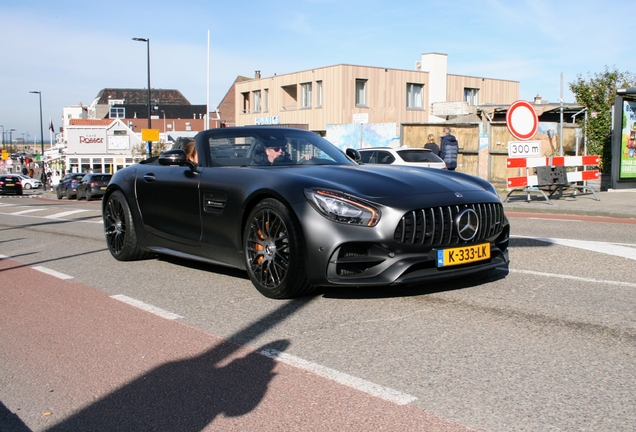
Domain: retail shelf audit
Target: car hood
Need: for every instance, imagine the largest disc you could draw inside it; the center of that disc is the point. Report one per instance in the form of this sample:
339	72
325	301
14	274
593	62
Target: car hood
376	182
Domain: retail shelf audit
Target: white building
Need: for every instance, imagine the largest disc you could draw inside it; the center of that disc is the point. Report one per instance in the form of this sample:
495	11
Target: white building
104	145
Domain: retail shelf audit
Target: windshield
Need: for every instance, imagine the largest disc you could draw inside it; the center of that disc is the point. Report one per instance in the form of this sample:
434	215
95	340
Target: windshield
253	146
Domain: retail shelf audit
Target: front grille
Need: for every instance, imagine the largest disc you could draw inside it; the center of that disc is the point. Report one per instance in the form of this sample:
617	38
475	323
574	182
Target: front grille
436	226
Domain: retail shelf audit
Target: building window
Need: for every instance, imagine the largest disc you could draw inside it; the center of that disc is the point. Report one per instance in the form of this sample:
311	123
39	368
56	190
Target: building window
246	102
361	92
471	95
305	101
117	112
318	94
266	100
414	96
290	97
257	100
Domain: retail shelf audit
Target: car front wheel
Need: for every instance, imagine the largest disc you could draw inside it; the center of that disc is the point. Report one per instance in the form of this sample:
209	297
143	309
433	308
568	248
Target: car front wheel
273	251
27	186
121	236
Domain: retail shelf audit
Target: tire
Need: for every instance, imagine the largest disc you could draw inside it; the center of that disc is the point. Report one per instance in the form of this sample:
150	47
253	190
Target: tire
119	228
27	186
89	197
77	194
274	255
58	194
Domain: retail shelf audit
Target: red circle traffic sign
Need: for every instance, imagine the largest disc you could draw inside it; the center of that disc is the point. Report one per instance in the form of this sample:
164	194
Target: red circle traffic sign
522	120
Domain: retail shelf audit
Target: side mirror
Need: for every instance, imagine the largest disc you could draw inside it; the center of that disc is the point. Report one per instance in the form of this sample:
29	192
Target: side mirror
353	154
175	157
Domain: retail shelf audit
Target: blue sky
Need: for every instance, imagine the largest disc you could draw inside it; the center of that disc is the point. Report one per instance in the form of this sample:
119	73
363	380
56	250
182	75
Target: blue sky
71	50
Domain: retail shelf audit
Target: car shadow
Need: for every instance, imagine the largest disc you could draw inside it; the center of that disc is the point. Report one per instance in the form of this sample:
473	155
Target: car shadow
186	395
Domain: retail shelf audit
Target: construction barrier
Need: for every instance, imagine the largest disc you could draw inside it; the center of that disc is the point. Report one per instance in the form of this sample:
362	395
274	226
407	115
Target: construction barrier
551	174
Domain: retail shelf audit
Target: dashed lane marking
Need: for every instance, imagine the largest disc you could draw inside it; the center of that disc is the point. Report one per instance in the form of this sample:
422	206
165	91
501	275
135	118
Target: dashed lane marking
48	271
22	212
63	214
576	278
360	384
145	306
622	250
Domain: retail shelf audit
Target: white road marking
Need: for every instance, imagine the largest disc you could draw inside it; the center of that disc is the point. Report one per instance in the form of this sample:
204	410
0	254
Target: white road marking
48	271
622	250
63	214
342	378
26	211
577	278
145	306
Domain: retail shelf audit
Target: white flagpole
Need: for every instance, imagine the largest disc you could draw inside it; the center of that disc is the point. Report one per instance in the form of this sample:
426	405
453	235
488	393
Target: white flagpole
207	92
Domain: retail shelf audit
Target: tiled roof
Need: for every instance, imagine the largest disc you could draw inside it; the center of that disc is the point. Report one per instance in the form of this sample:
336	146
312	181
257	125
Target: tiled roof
140	96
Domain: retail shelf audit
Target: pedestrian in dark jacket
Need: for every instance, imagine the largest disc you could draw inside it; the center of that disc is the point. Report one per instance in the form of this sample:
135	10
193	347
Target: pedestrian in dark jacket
449	148
432	145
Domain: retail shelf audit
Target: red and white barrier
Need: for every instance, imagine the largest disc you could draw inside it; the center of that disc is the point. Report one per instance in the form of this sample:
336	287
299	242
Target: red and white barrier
533	162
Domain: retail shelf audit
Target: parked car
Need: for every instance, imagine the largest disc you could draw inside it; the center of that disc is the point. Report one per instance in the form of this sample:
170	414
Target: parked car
296	213
10	183
420	157
67	187
30	183
93	185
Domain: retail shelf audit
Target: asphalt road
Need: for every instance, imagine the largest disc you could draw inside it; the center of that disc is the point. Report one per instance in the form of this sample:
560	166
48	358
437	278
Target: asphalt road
547	345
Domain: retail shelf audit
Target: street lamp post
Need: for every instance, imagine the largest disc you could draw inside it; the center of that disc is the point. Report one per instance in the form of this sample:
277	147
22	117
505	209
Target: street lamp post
2	126
147	41
39	93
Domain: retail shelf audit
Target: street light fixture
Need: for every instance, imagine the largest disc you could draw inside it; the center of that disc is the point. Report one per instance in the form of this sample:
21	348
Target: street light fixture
39	93
147	41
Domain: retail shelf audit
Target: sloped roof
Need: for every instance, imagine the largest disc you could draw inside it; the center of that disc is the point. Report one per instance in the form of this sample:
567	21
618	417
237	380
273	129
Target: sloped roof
140	96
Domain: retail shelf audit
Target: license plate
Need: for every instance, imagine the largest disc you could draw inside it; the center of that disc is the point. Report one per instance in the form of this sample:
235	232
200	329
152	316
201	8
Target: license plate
103	188
10	184
463	255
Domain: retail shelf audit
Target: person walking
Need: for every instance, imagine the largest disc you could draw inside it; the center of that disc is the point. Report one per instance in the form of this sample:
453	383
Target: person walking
449	148
432	145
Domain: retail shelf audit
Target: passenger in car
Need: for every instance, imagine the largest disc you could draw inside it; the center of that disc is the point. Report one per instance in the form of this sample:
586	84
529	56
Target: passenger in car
190	149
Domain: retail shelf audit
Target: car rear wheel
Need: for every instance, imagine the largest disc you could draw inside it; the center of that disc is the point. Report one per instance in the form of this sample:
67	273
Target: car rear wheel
273	251
69	194
89	197
58	194
121	236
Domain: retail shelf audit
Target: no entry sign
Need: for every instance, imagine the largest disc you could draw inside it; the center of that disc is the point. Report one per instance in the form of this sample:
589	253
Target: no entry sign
522	120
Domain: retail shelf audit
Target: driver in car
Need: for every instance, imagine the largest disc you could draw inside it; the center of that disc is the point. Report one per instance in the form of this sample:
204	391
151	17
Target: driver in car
275	153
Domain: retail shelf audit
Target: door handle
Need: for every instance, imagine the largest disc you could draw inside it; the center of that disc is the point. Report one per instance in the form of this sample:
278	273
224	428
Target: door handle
149	177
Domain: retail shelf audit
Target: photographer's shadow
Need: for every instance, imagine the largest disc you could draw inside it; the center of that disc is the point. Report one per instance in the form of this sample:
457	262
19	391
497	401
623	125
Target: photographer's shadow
184	395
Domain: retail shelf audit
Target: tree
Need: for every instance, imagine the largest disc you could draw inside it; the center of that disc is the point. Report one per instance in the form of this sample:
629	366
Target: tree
597	94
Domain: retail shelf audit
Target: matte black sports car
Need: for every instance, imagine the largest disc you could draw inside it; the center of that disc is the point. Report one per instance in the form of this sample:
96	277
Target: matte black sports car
296	212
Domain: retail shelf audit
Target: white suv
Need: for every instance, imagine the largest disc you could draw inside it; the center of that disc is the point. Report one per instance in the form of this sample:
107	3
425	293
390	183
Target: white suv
420	157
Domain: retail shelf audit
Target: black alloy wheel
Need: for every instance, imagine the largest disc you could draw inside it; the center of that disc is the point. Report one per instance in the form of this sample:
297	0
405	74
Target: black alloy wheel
273	251
119	229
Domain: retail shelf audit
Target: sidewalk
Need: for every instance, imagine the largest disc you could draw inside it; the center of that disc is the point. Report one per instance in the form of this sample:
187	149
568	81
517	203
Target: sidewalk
619	203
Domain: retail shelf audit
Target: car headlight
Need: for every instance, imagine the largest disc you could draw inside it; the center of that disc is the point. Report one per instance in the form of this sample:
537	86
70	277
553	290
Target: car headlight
343	208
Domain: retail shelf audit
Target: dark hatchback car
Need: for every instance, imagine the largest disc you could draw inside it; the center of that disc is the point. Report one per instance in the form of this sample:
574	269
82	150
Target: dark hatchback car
10	183
67	187
93	186
297	212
